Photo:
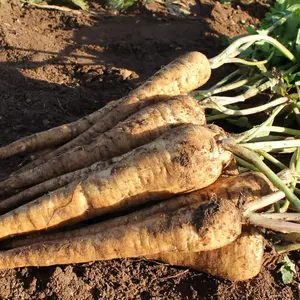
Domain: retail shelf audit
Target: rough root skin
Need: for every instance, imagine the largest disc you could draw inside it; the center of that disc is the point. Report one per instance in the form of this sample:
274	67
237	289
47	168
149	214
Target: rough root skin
181	76
158	233
139	129
184	159
238	189
240	260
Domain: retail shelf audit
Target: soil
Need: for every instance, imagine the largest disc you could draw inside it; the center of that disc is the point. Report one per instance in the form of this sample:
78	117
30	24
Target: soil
58	66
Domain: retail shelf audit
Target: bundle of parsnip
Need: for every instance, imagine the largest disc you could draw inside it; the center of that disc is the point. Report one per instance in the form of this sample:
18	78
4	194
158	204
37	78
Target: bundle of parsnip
153	148
133	150
149	146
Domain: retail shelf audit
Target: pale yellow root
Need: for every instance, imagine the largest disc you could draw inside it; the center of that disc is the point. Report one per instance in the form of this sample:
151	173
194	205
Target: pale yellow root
184	159
53	137
240	260
181	76
198	227
239	189
141	128
45	187
50	185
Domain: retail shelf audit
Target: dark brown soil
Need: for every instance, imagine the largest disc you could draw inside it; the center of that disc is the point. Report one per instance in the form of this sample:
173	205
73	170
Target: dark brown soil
56	67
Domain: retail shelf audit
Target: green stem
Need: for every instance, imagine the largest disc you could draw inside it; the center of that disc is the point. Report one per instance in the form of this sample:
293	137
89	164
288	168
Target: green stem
293	163
255	90
254	159
254	132
227	78
291	237
262	202
224	100
277	207
278	23
230	112
297	191
245	164
289	71
297	158
272	159
201	94
297	115
277	225
284	208
270	146
231	86
294	166
280	249
287	176
244	61
251	92
231	50
218	88
284	151
268	138
283	216
287	248
234	53
285	130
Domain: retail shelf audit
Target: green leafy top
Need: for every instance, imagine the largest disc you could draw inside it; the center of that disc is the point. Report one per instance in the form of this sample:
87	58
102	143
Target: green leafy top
283	24
75	3
121	4
288	270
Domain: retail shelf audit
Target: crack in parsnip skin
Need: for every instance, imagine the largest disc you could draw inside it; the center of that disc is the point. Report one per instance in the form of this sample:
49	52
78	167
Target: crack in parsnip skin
151	172
139	129
181	230
66	205
181	76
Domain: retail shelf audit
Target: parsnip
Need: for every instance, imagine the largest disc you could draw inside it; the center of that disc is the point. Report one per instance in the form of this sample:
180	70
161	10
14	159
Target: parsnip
181	76
239	260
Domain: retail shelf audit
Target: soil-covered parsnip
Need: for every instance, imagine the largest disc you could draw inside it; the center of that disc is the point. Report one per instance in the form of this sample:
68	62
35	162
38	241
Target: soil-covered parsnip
184	159
195	227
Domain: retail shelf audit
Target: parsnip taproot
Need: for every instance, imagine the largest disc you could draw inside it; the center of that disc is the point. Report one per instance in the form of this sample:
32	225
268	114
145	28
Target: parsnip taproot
184	159
196	227
139	129
50	185
238	189
240	260
185	74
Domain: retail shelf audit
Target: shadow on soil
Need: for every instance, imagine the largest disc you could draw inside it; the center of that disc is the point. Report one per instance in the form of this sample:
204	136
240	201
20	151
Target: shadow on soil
102	61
